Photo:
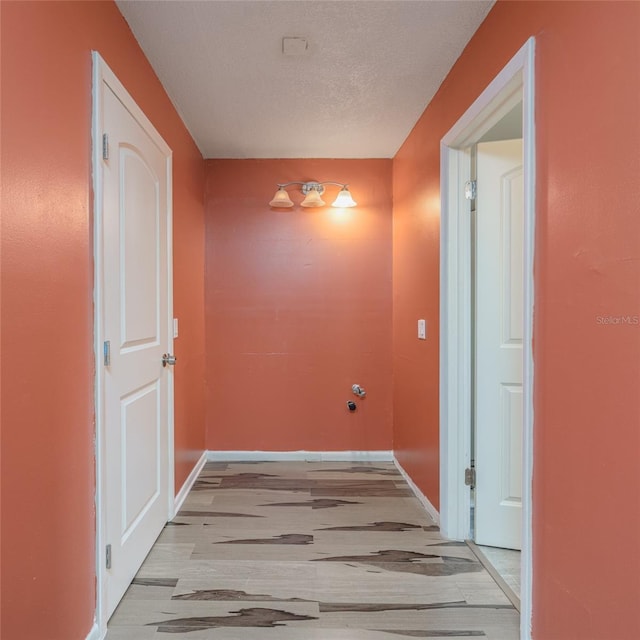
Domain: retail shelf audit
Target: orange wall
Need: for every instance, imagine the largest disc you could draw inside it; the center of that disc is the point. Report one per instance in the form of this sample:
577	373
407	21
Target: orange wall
48	486
298	308
587	266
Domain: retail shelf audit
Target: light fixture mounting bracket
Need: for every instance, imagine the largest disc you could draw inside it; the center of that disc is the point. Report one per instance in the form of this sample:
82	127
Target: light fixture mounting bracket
307	186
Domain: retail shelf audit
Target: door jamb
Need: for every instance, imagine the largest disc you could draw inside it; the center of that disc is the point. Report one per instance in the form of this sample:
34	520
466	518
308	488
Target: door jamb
514	83
102	74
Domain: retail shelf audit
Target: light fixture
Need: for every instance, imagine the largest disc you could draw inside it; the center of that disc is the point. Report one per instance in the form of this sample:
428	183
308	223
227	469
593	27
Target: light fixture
312	192
344	199
312	196
281	199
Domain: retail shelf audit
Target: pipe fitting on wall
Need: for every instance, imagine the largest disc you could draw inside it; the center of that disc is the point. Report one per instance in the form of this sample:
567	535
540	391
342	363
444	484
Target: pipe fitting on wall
358	390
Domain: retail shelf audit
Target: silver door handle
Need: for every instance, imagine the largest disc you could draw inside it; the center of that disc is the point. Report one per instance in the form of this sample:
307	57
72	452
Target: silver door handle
167	358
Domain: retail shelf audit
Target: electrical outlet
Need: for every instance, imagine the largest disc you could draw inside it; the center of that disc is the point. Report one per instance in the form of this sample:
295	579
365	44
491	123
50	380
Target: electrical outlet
422	329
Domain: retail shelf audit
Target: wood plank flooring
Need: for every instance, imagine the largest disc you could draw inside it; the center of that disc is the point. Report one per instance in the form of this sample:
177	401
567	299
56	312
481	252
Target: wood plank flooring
309	551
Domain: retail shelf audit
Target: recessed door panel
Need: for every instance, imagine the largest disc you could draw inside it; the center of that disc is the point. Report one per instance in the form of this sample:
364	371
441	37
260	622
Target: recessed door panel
512	220
511	445
139	250
140	424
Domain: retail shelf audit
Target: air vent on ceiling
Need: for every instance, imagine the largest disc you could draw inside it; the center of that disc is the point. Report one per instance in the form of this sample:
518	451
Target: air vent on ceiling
294	46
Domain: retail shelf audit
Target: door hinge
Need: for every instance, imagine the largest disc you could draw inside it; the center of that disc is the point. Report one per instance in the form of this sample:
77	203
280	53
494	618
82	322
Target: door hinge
470	477
108	556
471	189
105	146
106	352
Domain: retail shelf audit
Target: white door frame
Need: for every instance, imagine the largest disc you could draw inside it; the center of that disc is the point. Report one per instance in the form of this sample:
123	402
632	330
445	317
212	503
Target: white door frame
513	84
102	75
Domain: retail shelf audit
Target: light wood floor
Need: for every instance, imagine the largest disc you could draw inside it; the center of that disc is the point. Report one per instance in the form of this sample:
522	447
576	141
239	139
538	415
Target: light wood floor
309	551
507	563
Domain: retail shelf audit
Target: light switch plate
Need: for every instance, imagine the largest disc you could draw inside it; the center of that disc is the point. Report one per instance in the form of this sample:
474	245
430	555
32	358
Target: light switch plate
422	329
175	327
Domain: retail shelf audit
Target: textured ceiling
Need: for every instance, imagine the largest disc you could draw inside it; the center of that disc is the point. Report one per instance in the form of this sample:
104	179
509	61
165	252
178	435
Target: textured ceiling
369	70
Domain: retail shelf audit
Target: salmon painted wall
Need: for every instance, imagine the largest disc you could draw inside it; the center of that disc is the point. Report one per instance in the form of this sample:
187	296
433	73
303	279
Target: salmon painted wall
298	308
48	484
587	284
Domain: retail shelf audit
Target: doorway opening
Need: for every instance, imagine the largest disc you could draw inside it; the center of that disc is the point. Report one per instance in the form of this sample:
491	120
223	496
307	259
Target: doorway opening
460	344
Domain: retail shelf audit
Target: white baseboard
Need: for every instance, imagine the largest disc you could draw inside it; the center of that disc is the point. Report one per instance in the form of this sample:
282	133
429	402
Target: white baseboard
188	483
424	501
309	456
94	634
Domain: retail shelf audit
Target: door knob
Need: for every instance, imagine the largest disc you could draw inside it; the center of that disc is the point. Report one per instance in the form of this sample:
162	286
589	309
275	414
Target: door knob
167	358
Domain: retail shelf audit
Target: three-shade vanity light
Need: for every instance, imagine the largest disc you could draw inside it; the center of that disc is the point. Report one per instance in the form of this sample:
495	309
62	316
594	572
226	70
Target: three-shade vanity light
312	192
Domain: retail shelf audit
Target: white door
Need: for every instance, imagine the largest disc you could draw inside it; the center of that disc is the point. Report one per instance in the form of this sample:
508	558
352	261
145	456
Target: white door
499	341
135	311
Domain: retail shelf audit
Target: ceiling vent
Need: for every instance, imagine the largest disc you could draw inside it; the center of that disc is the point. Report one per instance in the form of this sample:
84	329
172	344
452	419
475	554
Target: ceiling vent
294	46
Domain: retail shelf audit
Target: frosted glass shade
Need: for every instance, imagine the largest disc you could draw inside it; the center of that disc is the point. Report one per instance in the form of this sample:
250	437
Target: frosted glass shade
344	199
281	199
312	199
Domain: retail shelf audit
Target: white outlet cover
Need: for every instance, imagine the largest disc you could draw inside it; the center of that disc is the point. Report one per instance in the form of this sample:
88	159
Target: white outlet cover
175	327
422	329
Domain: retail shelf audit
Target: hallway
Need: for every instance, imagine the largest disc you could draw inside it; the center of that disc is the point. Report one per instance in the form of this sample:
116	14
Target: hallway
308	550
